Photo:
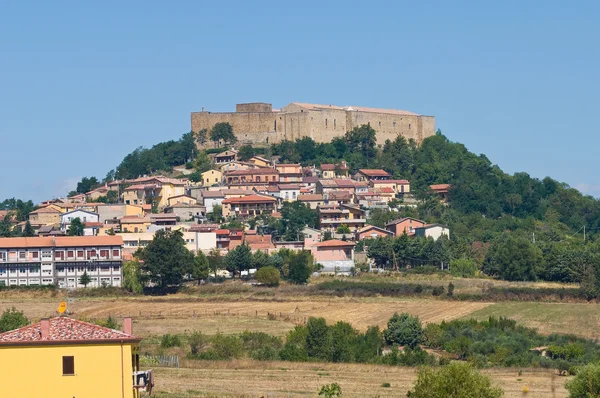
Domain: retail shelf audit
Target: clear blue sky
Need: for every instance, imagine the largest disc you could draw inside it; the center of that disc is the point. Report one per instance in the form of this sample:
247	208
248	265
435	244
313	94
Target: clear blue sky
84	83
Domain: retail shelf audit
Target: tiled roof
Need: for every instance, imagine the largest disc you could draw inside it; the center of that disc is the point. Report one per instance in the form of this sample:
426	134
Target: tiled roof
64	330
309	198
221	231
93	224
344	183
394	222
213	194
44	210
134	220
285	187
8	243
333	243
369	227
72	241
250	199
440	187
252	172
310	179
374	173
257	242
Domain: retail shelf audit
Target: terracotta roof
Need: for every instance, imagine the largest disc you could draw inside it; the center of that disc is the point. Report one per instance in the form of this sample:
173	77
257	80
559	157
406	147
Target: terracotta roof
252	172
204	228
394	222
257	242
368	227
213	194
440	187
63	330
134	220
8	243
333	243
403	182
93	224
250	199
374	173
221	231
70	241
309	198
344	183
288	165
44	210
386	190
310	179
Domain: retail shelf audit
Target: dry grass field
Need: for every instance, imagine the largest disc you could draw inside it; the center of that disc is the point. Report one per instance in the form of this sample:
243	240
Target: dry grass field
246	378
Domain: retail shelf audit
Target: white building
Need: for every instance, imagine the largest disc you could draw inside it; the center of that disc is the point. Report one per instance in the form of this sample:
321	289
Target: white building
83	215
212	198
61	261
434	231
194	241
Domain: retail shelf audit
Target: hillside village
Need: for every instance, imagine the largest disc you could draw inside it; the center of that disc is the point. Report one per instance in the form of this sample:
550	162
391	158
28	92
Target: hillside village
235	190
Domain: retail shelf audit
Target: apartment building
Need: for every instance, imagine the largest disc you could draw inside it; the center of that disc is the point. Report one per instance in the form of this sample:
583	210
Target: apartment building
61	261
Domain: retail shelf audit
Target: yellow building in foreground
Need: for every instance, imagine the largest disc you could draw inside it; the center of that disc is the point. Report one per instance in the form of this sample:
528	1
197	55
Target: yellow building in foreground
64	357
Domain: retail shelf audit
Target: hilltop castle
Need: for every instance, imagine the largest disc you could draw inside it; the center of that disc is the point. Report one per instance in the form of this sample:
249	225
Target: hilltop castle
259	123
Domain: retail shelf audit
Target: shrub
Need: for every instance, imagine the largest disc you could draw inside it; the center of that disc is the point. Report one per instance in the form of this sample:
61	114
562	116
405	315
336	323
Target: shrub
330	390
386	385
403	329
454	380
227	347
197	342
450	289
463	267
12	319
268	275
586	383
438	291
168	341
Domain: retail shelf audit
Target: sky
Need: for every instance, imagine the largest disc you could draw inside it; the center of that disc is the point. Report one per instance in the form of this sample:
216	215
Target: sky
82	84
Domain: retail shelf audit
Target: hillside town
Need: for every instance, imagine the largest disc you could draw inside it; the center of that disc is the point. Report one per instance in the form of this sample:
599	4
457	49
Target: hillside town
231	190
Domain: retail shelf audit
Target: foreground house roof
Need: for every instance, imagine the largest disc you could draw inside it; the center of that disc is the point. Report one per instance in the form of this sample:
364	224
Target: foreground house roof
63	330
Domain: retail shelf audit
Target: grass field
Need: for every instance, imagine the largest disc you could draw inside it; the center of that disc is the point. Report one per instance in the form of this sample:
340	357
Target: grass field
246	378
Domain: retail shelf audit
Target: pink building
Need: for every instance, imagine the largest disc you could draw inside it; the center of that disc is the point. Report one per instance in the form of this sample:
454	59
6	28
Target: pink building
333	250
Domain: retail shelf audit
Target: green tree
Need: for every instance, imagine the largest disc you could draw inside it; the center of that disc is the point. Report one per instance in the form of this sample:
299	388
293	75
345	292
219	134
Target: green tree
12	319
85	279
360	143
586	383
202	163
238	259
215	261
216	215
132	278
294	217
6	226
76	227
87	184
512	258
222	132
259	259
463	267
404	329
201	268
455	380
245	153
28	230
344	339
198	342
202	137
268	276
330	390
380	217
343	229
318	339
300	267
166	259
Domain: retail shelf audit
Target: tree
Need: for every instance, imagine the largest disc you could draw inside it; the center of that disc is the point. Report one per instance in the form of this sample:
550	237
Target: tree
85	279
245	153
404	330
586	383
268	276
216	215
202	136
300	267
238	259
361	142
87	184
318	339
222	132
12	319
166	259
202	163
259	259
28	230
343	229
6	226
215	261
294	217
201	268
76	227
132	278
512	258
455	380
463	267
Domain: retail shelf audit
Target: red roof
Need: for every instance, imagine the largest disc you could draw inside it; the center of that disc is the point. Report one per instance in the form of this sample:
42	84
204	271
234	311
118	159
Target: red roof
374	173
64	330
221	231
250	199
333	243
310	197
252	172
440	187
64	241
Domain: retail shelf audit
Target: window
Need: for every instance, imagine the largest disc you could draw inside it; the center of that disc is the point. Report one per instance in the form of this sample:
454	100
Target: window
394	124
275	125
35	254
115	253
79	253
409	126
21	254
68	366
379	124
334	123
70	253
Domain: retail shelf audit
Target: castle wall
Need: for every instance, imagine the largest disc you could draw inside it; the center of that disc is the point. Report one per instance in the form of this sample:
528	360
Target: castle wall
256	127
254	107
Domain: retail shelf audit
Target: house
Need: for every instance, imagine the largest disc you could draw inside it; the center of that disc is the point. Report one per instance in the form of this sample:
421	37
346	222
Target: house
222	239
263	243
260	162
153	190
212	198
311	236
83	215
434	231
163	220
334	255
371	232
256	176
333	216
186	212
406	225
194	241
60	260
289	192
372	175
310	183
135	224
249	206
45	216
225	157
396	186
312	200
211	177
117	211
294	245
181	199
329	171
441	190
64	357
289	172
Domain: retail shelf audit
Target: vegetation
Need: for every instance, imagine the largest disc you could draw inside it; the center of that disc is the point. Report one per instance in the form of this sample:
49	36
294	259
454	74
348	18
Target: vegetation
85	279
586	383
403	330
76	227
268	276
454	380
12	319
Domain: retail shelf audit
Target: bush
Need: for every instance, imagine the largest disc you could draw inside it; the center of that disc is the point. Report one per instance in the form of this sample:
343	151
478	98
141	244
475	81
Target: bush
227	347
450	289
168	341
268	275
454	380
463	267
586	383
330	390
438	291
197	342
403	330
12	319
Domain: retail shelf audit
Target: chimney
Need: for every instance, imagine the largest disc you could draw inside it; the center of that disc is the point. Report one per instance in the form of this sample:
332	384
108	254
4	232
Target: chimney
45	324
128	326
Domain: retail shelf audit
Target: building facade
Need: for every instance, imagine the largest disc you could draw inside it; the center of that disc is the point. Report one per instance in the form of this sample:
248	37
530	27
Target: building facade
61	261
259	123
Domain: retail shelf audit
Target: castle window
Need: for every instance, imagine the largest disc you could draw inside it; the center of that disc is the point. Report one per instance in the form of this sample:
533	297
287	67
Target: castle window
409	126
325	123
379	124
275	125
394	124
334	123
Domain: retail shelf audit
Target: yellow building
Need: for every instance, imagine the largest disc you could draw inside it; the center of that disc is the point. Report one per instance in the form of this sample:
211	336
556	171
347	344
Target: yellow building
45	216
135	224
63	357
153	190
211	177
260	161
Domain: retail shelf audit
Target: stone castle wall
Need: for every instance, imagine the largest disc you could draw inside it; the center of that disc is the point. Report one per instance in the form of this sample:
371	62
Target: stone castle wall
256	123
